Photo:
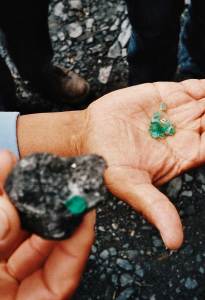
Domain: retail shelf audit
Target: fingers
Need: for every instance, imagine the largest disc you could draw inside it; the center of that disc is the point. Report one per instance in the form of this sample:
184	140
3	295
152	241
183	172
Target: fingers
177	94
137	190
29	257
195	88
7	162
10	229
62	271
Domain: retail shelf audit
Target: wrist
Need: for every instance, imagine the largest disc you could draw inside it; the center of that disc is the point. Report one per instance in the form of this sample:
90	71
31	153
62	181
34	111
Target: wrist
58	133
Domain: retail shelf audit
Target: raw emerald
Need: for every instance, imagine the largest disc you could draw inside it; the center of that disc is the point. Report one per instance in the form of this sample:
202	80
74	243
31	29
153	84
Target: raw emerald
163	106
160	128
156	130
76	205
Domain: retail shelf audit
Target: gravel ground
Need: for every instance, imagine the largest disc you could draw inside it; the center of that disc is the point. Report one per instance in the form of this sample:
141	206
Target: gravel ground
128	260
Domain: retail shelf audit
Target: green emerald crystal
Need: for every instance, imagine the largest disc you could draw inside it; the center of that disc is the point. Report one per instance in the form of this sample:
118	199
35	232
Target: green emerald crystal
156	130
76	205
160	128
156	117
163	106
171	130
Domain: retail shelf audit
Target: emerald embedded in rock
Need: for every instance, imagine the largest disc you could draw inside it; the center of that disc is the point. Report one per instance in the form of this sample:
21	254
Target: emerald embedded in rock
76	205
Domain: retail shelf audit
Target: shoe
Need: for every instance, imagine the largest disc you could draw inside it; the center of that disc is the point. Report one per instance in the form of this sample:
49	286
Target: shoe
60	84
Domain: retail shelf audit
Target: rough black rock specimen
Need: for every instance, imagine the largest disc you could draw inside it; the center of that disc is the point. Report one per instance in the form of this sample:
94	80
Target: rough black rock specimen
52	194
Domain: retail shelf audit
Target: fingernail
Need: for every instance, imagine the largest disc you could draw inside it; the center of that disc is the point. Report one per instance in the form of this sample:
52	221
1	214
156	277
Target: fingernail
4	225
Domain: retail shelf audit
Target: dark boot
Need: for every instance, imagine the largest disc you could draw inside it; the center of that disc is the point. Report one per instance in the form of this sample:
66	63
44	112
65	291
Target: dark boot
29	44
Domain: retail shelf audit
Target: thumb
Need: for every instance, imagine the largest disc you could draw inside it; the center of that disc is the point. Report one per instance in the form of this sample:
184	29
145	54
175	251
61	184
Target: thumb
10	232
138	191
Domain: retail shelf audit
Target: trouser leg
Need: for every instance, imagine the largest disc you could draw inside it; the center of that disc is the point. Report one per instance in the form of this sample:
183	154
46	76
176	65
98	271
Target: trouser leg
192	54
25	24
7	88
152	51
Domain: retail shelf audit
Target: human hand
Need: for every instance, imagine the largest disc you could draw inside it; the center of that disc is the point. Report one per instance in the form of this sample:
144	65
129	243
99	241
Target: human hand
117	128
33	268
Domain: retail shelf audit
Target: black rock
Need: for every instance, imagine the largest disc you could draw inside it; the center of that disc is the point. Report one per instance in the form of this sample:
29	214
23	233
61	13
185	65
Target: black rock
41	185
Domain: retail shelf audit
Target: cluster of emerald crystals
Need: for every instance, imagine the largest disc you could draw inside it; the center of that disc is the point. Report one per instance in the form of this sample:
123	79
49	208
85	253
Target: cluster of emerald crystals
76	205
160	127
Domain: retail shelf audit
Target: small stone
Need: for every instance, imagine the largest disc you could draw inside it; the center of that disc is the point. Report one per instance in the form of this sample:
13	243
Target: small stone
114	279
139	271
157	242
104	254
115	26
58	9
188	178
132	254
101	228
125	36
74	30
201	270
124	52
126	294
124	264
113	251
109	38
64	48
61	36
187	193
120	8
114	226
190	283
198	258
115	50
90	40
200	176
54	38
89	23
125	24
76	4
94	249
174	187
126	279
104	74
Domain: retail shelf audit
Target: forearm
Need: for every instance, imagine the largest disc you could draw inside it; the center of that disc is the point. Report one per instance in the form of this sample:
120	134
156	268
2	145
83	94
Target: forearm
57	133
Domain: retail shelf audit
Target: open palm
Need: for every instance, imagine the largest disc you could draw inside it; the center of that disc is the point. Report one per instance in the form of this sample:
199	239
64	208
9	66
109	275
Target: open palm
118	129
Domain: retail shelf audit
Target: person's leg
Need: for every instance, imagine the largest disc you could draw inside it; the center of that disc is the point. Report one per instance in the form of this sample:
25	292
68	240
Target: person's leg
152	51
7	88
25	24
192	43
